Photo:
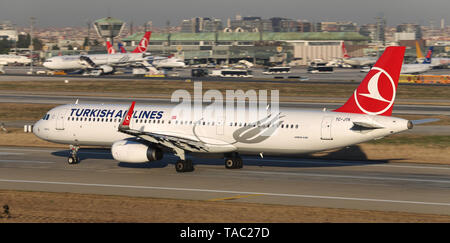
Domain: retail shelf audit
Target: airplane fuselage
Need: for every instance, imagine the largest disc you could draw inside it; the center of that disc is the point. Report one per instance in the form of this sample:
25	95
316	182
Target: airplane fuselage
74	63
294	131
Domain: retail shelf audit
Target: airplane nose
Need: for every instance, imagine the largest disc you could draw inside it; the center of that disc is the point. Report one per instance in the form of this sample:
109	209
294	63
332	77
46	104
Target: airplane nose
36	128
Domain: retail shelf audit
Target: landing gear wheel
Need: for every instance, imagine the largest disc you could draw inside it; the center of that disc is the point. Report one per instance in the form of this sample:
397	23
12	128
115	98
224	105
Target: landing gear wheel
240	163
234	163
73	160
184	166
73	157
230	163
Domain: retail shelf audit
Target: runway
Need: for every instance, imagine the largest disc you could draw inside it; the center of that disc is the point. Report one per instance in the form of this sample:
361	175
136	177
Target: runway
371	185
300	75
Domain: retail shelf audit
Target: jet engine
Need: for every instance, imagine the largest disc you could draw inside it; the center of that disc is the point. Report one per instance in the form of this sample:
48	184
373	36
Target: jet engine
107	69
132	151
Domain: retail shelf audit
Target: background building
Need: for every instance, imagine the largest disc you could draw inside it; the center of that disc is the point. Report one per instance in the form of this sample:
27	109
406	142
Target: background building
8	31
257	47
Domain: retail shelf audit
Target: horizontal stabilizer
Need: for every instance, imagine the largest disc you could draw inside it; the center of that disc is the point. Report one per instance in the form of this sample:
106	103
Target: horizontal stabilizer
368	124
422	121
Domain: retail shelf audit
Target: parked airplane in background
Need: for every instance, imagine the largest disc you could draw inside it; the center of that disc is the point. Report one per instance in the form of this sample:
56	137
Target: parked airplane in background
417	68
167	62
419	55
436	62
110	48
97	64
121	48
14	59
357	61
157	61
142	133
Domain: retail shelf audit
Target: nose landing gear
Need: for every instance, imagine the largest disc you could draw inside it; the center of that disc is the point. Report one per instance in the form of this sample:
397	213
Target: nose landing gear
73	157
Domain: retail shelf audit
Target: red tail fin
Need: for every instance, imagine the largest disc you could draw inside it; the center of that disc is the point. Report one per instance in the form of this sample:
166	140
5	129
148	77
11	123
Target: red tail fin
344	51
142	47
110	48
125	124
376	93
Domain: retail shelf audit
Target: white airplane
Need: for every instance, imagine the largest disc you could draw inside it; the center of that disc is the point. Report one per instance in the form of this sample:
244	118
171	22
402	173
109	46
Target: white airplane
357	61
142	133
417	68
13	59
99	63
436	62
167	62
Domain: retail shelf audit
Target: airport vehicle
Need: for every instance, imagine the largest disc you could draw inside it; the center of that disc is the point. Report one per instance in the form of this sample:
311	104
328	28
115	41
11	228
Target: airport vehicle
98	64
199	72
365	69
242	73
277	70
357	61
320	69
14	59
142	133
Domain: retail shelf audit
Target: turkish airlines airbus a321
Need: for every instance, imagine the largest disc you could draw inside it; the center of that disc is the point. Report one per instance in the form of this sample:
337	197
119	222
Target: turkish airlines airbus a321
139	133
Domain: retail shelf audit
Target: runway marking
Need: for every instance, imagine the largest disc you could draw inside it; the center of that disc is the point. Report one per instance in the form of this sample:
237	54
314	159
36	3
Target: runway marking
231	192
234	197
349	163
24	161
7	153
344	176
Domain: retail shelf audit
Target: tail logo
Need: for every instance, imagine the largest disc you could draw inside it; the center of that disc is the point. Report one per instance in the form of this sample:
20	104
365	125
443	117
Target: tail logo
143	45
111	50
377	103
127	118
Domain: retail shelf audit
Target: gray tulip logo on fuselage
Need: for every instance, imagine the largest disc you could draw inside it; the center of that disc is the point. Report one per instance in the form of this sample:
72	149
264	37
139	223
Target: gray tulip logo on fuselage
259	131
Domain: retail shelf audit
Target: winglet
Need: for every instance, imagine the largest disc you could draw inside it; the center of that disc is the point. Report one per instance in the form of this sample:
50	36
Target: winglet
125	124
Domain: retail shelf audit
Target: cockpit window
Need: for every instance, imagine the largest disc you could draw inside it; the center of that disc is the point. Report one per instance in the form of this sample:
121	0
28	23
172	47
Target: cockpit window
46	116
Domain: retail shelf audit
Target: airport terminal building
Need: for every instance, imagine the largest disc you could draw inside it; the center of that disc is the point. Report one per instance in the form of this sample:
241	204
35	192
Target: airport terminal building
257	47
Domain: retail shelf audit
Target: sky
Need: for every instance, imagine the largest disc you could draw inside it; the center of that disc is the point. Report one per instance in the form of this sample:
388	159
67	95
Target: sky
61	13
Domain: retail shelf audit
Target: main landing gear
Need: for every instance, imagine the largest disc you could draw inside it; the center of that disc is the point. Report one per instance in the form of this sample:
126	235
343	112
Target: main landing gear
184	165
73	157
233	162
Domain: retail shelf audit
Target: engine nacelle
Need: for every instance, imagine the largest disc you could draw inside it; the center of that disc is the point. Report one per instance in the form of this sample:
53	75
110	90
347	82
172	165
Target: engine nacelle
106	69
131	151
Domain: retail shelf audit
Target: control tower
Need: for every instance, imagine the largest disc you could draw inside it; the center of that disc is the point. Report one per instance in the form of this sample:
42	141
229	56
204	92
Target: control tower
109	28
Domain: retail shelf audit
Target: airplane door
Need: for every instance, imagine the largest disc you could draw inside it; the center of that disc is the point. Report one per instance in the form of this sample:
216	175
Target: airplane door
326	128
60	120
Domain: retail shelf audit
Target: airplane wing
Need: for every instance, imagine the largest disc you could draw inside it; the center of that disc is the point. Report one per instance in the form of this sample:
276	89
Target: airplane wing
175	143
